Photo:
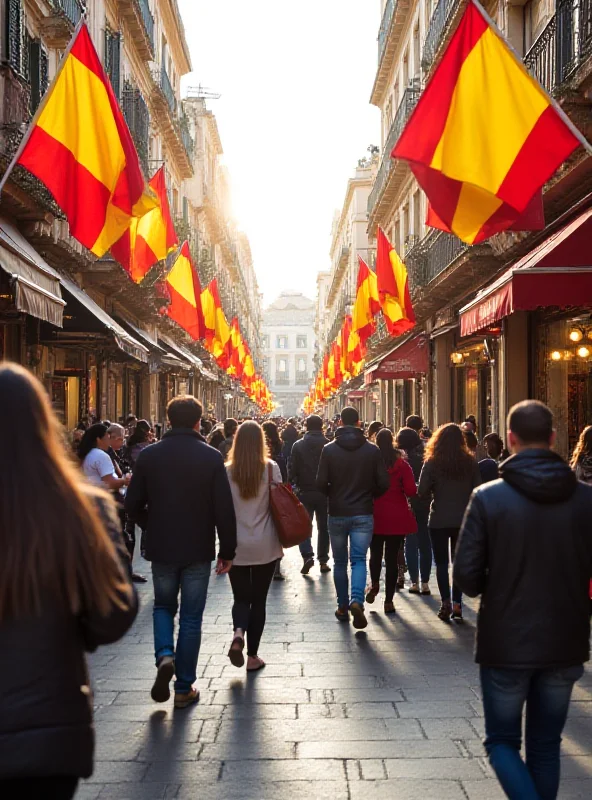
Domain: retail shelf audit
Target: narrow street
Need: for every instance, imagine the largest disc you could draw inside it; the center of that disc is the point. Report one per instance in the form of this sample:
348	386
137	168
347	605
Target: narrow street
390	712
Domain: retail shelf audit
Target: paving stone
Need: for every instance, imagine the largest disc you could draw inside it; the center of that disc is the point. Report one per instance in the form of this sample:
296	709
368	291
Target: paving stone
576	789
117	772
389	789
305	730
300	770
370	710
152	712
182	771
453	728
266	790
248	749
435	768
488	789
373	769
88	791
435	709
261	711
138	791
404	749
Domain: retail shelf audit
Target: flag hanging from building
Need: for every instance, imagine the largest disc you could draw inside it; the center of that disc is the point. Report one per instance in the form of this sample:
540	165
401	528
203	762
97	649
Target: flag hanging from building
150	238
80	147
367	304
184	291
393	288
484	137
238	353
216	325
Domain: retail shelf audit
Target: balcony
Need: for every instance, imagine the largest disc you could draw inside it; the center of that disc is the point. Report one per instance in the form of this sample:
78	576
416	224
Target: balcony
137	117
57	28
281	379
340	266
440	24
302	379
564	45
140	22
171	121
389	36
391	172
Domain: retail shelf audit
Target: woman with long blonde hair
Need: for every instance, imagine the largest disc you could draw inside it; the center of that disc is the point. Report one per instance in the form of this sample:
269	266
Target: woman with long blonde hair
250	472
64	590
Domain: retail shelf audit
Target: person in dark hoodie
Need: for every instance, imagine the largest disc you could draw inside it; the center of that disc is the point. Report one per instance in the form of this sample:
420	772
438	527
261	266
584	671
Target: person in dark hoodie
418	546
526	548
351	473
302	474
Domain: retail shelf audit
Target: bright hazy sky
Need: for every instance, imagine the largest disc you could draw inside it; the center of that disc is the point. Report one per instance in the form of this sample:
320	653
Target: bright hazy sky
294	118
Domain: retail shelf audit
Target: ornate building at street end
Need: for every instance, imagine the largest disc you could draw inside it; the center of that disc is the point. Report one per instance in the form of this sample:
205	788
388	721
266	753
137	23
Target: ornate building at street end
288	348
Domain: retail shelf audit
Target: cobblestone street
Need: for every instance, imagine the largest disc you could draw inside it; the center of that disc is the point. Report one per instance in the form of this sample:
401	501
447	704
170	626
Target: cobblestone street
393	711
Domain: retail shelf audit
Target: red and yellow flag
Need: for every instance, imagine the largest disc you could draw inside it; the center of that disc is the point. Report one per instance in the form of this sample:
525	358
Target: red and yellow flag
80	147
184	291
217	327
484	137
238	353
346	358
151	237
393	288
367	304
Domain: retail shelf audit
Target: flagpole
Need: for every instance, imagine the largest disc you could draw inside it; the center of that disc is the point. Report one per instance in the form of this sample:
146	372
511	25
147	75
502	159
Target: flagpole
42	104
576	132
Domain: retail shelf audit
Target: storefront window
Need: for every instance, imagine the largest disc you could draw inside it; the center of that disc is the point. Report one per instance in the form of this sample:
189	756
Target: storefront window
473	385
565	377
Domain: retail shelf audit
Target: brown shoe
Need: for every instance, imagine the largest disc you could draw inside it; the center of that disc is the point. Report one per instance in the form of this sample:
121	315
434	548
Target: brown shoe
372	592
457	612
389	608
186	699
166	669
445	611
325	568
235	654
342	614
357	610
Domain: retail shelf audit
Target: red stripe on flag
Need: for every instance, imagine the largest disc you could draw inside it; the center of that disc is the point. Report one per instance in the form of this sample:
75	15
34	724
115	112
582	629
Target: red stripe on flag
68	181
426	125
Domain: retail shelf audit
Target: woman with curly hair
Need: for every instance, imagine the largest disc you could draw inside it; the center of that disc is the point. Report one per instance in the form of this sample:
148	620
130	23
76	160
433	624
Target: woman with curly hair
449	475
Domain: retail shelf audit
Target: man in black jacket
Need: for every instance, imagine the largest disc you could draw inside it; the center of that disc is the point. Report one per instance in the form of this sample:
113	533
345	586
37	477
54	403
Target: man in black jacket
352	473
183	483
303	466
526	547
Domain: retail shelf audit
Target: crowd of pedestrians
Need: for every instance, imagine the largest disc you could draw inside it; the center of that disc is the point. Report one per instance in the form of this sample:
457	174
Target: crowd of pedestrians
516	529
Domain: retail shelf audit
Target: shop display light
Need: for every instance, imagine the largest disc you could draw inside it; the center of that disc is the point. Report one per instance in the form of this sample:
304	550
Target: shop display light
556	355
457	358
583	352
576	335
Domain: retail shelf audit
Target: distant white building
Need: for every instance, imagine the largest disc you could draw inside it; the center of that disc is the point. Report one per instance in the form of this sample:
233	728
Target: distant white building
288	349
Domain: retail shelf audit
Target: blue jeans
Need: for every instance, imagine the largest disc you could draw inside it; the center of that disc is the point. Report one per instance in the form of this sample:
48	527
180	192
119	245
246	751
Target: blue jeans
357	533
547	693
193	581
418	547
316	504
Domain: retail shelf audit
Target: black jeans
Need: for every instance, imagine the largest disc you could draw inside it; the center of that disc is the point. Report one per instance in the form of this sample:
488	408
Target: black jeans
316	504
440	538
390	546
250	586
56	787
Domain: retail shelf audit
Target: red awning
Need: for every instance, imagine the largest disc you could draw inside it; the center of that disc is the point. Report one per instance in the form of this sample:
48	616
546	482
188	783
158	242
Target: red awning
556	273
407	360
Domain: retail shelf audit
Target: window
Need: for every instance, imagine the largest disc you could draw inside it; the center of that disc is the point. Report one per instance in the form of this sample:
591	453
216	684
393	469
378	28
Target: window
265	342
282	365
113	59
281	342
301	341
301	365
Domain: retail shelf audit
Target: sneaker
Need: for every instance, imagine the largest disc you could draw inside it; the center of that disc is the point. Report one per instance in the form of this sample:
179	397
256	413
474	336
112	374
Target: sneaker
342	614
425	588
414	588
186	699
389	608
138	578
372	592
166	669
445	611
457	613
307	566
357	610
325	568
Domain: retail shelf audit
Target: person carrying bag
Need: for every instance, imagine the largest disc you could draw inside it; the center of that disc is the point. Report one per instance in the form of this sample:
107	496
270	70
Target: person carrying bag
291	518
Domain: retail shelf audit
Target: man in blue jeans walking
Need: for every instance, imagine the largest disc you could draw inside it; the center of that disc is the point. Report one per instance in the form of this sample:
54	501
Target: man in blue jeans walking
182	483
351	473
526	548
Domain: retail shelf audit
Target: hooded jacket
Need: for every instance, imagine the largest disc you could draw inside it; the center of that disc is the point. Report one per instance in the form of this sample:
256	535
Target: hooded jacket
351	473
304	461
526	547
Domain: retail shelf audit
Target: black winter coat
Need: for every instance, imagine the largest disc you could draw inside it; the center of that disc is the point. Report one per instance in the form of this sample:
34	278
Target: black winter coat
526	547
351	473
304	462
45	698
182	483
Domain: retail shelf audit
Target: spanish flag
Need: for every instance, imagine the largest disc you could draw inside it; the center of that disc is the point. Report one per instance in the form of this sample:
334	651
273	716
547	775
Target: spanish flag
484	137
184	291
80	147
393	288
150	238
346	360
238	353
367	304
217	327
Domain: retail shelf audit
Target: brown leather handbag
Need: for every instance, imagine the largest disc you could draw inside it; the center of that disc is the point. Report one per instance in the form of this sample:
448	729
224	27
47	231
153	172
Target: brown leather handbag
291	519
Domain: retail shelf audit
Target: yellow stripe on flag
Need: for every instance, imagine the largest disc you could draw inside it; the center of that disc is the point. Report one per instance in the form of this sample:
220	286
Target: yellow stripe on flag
181	279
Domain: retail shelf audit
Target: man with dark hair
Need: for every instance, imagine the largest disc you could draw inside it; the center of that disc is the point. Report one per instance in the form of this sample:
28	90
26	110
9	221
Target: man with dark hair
303	466
352	473
526	547
230	428
414	422
183	484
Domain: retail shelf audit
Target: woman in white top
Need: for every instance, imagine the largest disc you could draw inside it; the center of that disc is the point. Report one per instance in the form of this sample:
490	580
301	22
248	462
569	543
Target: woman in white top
96	462
258	546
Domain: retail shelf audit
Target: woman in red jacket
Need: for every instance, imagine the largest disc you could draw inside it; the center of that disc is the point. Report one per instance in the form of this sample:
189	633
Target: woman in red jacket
393	520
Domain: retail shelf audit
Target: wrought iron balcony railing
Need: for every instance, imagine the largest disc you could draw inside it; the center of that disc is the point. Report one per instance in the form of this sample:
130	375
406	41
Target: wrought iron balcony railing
438	25
147	19
167	90
431	256
72	9
408	103
385	25
137	117
186	135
